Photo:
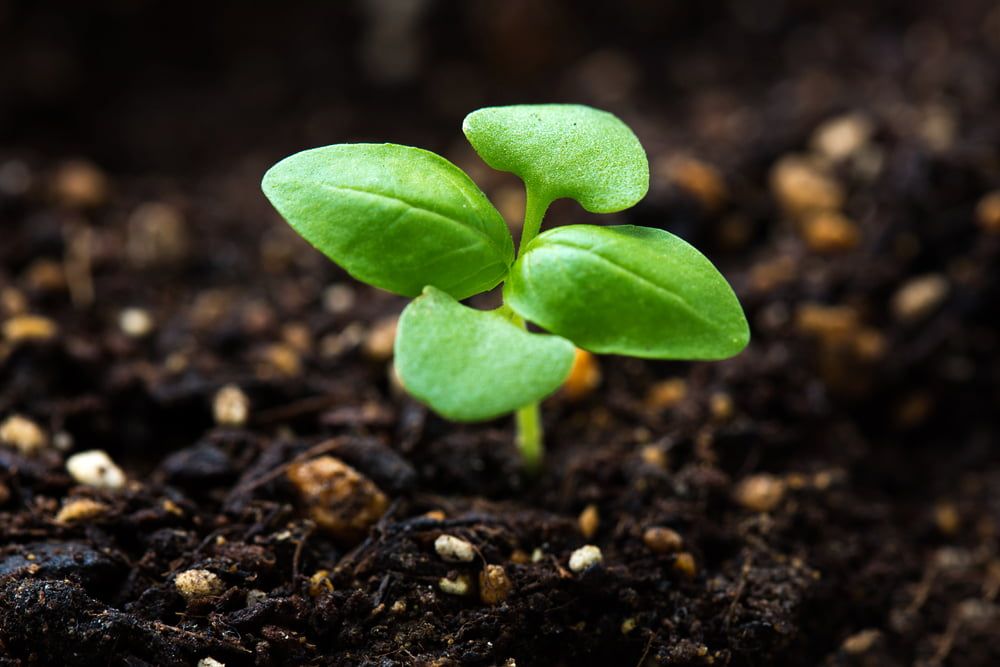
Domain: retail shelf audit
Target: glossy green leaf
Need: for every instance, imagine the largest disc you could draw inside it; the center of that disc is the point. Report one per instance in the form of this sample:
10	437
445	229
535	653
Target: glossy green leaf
563	150
627	290
471	364
396	217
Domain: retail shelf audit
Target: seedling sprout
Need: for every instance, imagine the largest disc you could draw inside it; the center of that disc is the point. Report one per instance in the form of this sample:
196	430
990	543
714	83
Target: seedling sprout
408	221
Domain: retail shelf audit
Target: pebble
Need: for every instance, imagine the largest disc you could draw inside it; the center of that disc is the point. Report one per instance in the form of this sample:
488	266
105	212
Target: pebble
589	521
80	184
802	186
684	563
338	299
460	585
380	339
584	376
666	394
826	322
45	275
230	406
135	322
280	359
340	500
721	406
23	328
198	584
210	662
320	583
95	468
494	584
841	137
988	212
454	549
662	540
760	493
829	232
585	557
920	296
156	235
700	180
80	509
23	434
861	642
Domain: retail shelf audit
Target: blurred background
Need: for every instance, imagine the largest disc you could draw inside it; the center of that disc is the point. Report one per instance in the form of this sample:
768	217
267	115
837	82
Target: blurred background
840	161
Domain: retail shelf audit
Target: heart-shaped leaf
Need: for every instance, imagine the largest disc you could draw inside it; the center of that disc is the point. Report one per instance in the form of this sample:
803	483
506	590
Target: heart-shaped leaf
627	290
471	364
396	217
563	150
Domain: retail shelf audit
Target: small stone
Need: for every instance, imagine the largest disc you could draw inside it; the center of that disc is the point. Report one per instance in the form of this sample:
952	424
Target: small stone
339	499
135	322
255	596
45	275
460	585
297	336
829	323
80	184
338	299
454	549
13	301
80	509
584	376
494	584
653	455
861	642
684	563
842	136
802	186
946	518
662	540
699	180
988	212
721	406
156	235
23	328
23	434
829	232
210	662
280	359
320	583
380	339
95	468
198	584
628	625
919	297
760	493
666	394
589	521
231	407
585	557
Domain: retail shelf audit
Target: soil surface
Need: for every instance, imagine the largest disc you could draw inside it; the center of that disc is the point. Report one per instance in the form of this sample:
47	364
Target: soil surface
829	497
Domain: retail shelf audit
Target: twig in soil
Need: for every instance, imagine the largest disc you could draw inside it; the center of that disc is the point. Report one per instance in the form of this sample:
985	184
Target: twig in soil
299	546
77	263
322	448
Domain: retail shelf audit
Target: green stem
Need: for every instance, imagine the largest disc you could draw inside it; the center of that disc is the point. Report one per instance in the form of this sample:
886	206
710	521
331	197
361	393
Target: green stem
534	211
529	418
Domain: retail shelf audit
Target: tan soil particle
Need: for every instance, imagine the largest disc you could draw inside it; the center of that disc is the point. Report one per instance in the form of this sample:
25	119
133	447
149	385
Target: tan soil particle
494	584
23	434
198	584
589	521
760	493
338	498
584	376
662	540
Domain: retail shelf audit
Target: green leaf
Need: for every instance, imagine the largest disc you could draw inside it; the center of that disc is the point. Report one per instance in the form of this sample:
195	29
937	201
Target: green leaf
471	364
563	150
627	290
396	217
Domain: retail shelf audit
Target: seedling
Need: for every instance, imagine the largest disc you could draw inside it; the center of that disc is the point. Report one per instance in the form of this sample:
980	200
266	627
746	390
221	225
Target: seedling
410	222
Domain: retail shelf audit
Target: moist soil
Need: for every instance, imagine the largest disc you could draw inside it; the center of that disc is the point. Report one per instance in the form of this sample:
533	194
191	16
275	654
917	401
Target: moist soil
831	496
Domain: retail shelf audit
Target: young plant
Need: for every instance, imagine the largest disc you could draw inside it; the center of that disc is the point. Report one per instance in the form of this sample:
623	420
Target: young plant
410	222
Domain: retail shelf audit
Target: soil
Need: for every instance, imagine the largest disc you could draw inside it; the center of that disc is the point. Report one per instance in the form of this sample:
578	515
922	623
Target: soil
829	497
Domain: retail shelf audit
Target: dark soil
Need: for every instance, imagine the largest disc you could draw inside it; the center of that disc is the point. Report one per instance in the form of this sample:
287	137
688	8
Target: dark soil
836	487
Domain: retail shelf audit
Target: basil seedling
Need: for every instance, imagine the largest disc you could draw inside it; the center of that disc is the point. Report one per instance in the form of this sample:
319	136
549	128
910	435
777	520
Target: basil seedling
410	222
